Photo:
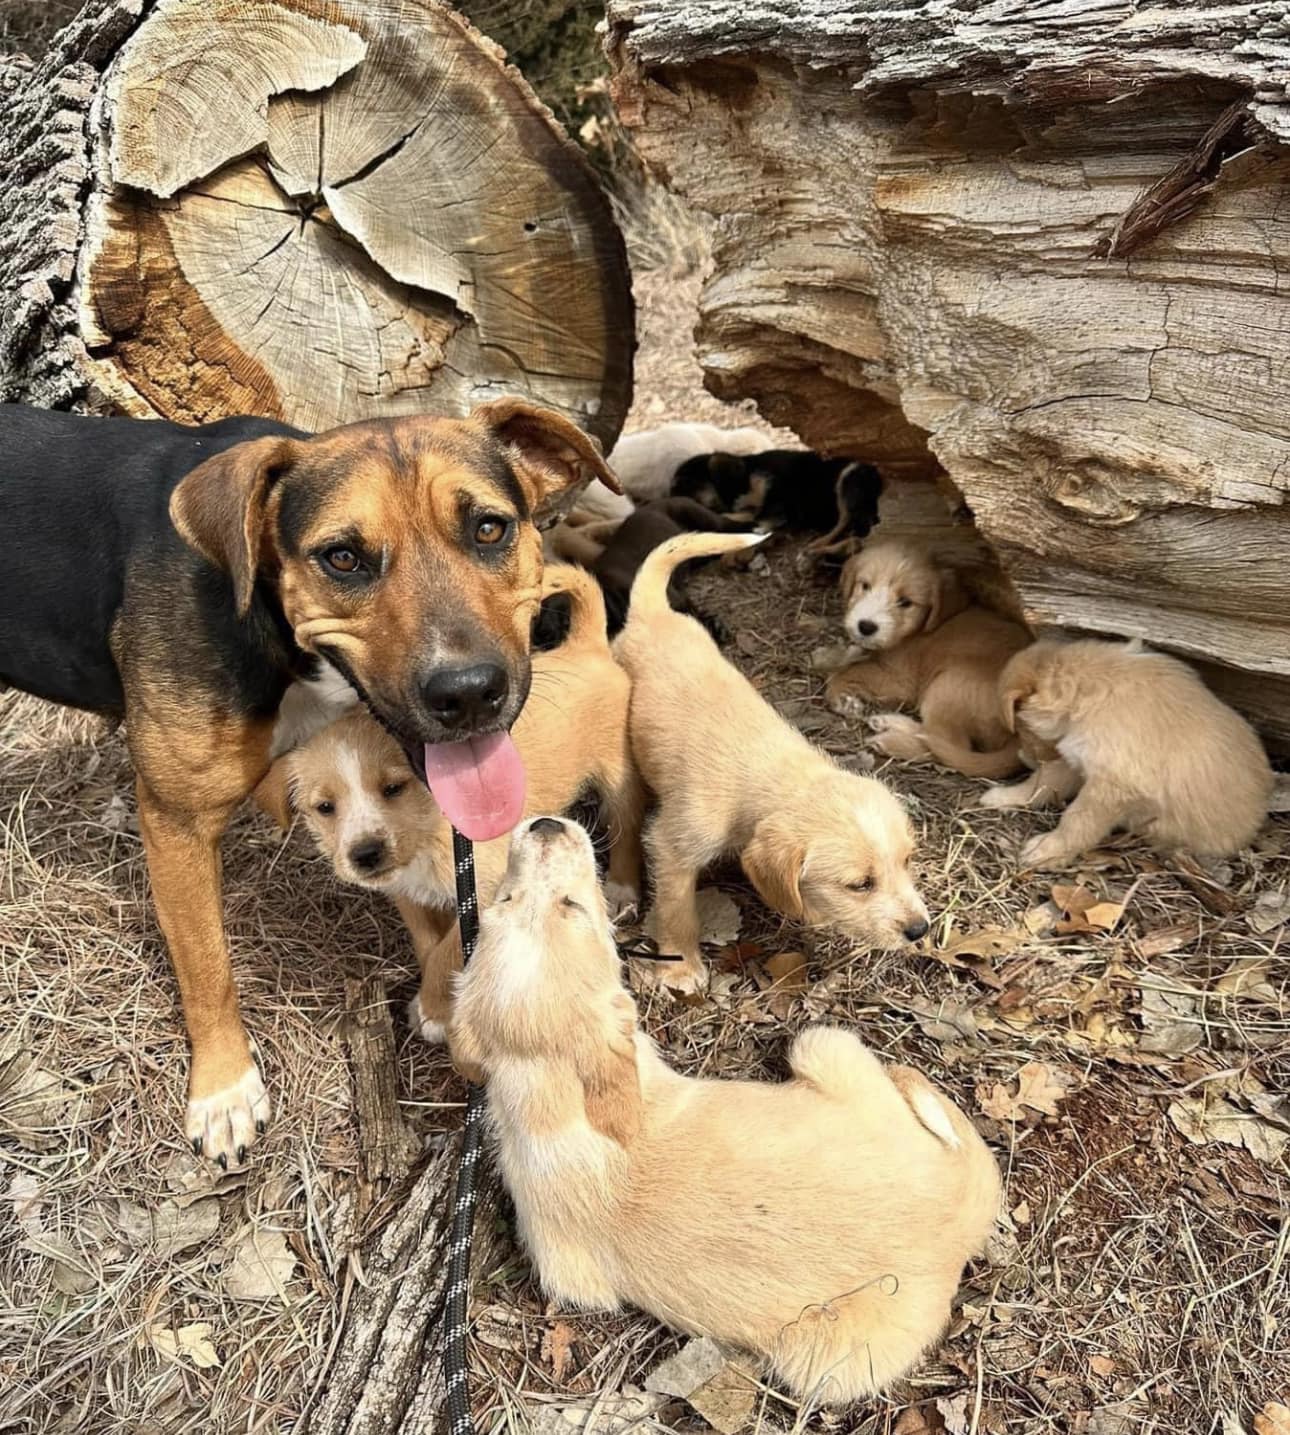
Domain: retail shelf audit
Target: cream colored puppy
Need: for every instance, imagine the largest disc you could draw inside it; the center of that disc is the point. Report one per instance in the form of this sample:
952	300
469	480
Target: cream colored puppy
1139	742
646	463
732	777
923	644
382	829
822	1222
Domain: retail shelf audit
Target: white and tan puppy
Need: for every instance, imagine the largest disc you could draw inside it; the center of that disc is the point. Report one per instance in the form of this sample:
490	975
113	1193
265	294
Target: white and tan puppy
1139	742
923	644
382	829
822	1222
820	844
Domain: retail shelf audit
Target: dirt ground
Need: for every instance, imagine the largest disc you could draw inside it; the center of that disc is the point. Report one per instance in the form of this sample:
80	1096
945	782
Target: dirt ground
1121	1037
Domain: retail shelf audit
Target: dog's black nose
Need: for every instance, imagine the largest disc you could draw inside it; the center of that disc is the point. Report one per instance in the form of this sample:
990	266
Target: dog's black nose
546	826
866	628
367	854
915	930
464	697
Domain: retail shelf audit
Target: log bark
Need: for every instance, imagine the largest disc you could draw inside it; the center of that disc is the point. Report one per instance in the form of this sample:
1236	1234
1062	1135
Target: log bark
316	210
911	206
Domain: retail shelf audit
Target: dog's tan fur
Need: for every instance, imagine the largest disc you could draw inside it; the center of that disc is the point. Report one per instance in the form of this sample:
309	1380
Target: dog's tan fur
571	735
822	1222
932	650
731	776
1139	742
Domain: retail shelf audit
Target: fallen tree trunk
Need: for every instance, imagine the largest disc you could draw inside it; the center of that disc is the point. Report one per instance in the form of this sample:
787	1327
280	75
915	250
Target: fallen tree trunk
914	206
315	210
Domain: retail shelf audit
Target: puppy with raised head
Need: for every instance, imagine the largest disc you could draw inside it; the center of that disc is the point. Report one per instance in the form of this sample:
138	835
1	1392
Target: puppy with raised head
1139	742
821	845
923	644
382	830
822	1222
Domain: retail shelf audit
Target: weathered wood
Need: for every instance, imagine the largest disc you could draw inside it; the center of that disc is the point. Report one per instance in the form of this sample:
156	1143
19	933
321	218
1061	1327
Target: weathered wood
909	199
386	1145
318	210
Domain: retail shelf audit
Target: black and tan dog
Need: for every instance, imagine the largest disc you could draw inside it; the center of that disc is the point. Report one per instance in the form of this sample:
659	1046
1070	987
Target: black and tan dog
189	578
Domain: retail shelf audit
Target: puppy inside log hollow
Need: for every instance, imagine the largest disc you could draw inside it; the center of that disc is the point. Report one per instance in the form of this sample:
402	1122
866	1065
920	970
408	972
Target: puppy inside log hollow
212	572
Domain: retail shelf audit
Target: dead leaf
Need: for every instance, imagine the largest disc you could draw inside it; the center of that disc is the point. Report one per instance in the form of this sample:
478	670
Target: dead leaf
726	1401
1270	910
1021	1213
1102	1366
681	1374
557	1349
191	1342
732	959
719	918
920	1420
1273	1419
262	1265
789	977
169	1229
1161	940
748	642
1082	912
1280	799
1170	1021
37	1108
1039	921
69	1273
1039	1088
630	1413
1206	1119
945	1020
501	1327
24	1192
954	1411
1247	979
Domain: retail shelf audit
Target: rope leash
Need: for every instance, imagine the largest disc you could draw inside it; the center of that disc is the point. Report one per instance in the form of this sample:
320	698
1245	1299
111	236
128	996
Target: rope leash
456	1300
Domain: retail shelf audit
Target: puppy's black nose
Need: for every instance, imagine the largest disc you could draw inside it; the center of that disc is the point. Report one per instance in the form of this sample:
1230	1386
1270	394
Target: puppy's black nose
866	628
465	697
915	930
367	854
546	826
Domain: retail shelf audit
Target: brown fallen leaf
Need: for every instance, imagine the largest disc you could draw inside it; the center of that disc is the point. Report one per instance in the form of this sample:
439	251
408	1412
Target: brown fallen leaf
1273	1419
920	1420
1161	940
1102	1365
557	1349
974	951
732	958
789	980
1082	912
954	1411
1039	1088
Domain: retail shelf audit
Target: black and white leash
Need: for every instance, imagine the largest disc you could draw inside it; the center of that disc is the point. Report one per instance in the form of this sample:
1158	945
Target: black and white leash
456	1307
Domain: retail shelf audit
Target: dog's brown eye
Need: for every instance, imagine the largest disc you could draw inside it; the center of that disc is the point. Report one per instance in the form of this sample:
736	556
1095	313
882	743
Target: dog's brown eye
392	789
865	886
864	587
325	809
490	530
905	603
343	560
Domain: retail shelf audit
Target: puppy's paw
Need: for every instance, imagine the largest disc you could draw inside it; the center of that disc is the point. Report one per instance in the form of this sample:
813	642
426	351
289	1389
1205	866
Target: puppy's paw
620	898
681	979
847	705
222	1125
1043	852
896	735
1000	796
434	1033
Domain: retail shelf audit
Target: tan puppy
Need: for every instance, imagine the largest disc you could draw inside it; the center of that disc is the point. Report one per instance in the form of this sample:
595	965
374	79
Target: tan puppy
822	1222
820	845
925	645
382	830
1140	742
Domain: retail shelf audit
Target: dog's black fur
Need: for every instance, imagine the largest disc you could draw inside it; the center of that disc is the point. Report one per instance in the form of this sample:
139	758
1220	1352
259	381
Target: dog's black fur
69	609
788	488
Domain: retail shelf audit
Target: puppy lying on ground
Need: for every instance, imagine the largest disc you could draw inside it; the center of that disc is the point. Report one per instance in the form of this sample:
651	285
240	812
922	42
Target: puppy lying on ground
789	488
822	1222
646	463
382	829
926	645
616	564
731	776
1139	742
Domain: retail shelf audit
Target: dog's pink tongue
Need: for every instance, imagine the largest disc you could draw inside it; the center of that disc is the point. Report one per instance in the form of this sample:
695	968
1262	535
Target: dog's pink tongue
479	784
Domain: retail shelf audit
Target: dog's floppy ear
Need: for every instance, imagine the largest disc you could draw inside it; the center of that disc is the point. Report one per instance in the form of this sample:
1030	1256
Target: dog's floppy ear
773	862
849	577
611	1089
1012	694
948	598
219	508
554	458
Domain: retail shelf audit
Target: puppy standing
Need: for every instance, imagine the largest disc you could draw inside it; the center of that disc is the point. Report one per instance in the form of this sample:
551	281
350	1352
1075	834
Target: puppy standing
1140	742
382	830
926	646
822	1222
731	776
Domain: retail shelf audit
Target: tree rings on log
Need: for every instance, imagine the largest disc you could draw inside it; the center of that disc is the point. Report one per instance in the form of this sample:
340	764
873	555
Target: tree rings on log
327	210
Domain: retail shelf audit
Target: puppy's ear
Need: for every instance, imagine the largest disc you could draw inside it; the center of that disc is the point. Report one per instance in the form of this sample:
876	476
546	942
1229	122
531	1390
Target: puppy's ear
273	795
219	508
611	1087
948	598
1011	695
848	579
554	459
773	862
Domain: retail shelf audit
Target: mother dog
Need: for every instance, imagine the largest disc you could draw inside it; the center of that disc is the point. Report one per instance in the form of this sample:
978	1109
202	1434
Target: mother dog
189	578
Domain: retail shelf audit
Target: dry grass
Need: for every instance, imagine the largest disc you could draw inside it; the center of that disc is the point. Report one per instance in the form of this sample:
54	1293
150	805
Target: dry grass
1144	1287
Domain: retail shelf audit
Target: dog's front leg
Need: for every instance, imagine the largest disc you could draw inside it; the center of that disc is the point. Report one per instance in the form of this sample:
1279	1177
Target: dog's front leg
677	928
227	1103
1093	816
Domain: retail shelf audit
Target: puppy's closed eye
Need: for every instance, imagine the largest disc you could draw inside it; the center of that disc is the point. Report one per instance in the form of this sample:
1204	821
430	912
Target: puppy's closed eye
865	884
392	789
569	902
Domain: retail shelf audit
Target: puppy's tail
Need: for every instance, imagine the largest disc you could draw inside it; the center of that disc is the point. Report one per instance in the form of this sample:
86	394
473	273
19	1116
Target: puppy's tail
1001	762
587	621
649	591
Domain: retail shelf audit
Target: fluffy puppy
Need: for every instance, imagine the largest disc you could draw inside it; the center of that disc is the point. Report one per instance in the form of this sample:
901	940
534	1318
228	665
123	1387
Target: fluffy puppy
821	1222
1139	742
646	463
819	844
925	645
382	829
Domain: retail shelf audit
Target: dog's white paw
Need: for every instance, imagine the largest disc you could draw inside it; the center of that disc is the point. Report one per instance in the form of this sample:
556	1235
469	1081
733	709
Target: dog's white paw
999	796
620	897
1042	852
223	1125
898	735
681	979
433	1033
847	705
